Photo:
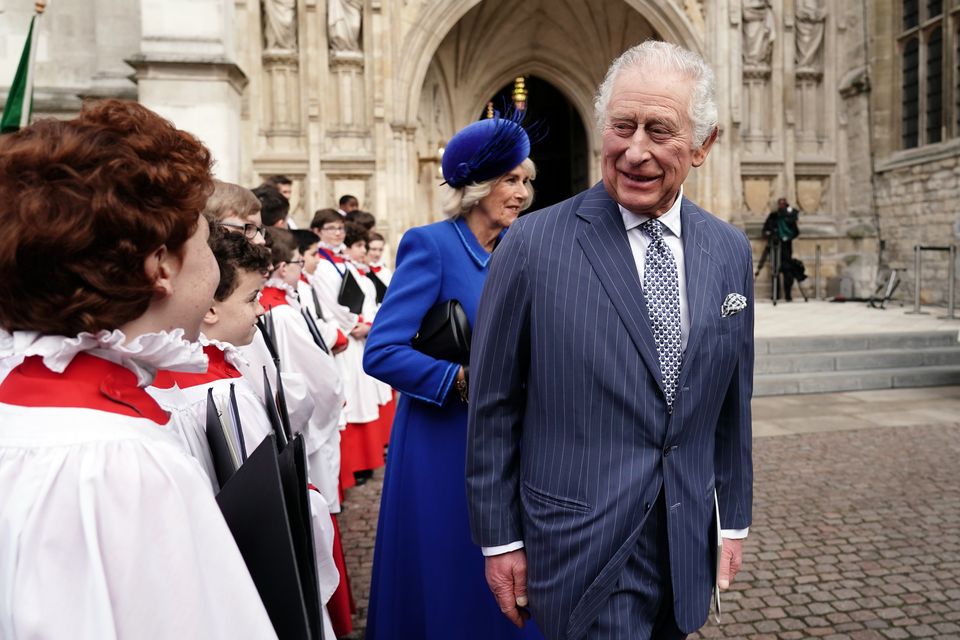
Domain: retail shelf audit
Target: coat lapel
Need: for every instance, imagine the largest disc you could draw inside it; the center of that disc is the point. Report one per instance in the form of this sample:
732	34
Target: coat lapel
699	277
604	242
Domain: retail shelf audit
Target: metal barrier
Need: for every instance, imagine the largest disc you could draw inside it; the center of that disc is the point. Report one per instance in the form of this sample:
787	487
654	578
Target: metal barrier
951	279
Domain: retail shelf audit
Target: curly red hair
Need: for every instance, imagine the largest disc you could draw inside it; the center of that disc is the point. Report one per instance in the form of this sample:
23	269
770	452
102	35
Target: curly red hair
82	204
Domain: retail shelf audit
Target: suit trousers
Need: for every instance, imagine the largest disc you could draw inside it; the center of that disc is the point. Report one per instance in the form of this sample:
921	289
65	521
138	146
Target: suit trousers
640	607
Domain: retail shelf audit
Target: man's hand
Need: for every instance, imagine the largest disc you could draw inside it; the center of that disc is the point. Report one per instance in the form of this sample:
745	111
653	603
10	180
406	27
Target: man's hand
731	557
507	578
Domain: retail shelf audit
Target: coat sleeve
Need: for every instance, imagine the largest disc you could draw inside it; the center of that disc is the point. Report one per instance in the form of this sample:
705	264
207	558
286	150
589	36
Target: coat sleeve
415	288
733	461
498	371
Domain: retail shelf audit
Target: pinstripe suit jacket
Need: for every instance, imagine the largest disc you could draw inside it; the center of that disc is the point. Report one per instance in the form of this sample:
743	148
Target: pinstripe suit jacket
570	437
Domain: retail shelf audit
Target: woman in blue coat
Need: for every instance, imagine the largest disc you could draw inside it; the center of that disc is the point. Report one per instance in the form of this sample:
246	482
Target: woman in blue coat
428	577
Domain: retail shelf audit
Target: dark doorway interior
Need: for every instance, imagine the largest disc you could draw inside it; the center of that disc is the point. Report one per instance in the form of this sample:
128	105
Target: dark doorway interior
561	156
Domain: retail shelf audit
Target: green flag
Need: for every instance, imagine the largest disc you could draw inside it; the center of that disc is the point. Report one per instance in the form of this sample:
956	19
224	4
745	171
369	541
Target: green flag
16	113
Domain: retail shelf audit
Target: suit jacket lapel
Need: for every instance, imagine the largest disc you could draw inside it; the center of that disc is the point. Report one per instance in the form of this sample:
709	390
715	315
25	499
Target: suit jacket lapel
699	277
604	241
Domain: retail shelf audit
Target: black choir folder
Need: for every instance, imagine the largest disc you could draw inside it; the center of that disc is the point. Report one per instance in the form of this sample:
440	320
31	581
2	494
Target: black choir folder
265	503
351	295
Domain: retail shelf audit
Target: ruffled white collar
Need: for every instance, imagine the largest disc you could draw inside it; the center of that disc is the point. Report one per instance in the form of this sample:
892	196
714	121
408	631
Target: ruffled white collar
336	250
230	353
277	283
143	355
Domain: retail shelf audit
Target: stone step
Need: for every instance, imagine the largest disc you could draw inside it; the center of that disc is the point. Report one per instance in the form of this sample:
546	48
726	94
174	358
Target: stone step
856	342
774	363
776	384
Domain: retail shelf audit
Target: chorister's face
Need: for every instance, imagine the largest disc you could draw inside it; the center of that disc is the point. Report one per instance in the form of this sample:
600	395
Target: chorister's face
375	251
648	140
195	281
236	316
505	201
290	271
311	259
357	251
331	233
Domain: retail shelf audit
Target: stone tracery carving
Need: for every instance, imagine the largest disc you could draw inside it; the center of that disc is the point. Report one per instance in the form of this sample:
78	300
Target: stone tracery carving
344	18
758	32
280	25
811	16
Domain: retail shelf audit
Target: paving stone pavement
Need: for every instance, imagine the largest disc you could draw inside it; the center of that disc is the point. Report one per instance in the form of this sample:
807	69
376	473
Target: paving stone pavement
856	531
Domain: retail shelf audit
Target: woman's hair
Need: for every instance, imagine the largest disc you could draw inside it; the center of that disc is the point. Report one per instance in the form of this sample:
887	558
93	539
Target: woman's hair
355	233
234	254
282	245
85	202
323	216
657	56
230	199
304	238
363	218
457	202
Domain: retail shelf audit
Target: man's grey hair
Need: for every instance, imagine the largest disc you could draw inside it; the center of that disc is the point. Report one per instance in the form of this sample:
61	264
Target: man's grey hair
665	56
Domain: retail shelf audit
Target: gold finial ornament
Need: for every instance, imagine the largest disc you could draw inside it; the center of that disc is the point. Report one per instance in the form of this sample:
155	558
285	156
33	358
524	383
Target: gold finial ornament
520	93
490	112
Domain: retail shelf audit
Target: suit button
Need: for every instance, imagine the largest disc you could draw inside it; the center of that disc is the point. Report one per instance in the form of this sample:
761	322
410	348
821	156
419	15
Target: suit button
670	409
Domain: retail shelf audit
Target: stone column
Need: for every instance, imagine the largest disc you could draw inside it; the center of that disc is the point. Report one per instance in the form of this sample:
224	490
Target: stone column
186	71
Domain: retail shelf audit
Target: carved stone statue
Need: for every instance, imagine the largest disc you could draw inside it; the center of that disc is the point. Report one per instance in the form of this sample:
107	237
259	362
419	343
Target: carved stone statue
343	24
811	15
758	32
280	24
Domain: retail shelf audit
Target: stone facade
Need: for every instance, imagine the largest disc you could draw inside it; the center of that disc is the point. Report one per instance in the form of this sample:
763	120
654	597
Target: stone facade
359	96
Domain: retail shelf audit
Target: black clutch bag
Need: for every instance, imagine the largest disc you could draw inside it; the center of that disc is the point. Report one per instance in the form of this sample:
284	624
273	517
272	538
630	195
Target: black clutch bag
351	295
445	333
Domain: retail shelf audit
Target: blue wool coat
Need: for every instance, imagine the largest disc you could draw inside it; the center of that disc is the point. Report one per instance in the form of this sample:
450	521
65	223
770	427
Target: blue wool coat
428	577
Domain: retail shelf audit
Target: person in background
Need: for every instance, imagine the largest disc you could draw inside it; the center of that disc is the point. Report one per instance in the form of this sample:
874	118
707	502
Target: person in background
780	228
363	218
236	209
307	244
108	527
284	186
273	207
428	577
347	204
281	183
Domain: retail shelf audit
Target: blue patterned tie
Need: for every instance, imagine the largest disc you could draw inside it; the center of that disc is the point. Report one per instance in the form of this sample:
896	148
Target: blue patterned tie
662	292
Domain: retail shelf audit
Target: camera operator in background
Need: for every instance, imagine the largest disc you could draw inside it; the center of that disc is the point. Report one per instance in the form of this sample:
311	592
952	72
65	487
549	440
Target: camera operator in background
780	229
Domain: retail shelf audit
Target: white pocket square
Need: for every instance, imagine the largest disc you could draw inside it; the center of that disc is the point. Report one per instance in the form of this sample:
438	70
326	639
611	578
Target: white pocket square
733	304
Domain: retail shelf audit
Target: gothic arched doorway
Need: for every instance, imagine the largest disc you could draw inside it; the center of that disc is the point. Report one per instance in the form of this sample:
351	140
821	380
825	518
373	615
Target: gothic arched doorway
561	155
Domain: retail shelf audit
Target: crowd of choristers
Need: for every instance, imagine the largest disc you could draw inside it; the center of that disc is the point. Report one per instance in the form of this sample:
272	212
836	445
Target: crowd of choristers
274	276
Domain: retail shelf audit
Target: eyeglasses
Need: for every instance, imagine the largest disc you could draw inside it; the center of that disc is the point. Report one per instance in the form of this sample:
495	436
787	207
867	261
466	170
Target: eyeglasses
249	229
299	262
336	229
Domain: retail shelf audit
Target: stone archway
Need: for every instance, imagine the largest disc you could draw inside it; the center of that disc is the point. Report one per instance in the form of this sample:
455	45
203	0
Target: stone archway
486	44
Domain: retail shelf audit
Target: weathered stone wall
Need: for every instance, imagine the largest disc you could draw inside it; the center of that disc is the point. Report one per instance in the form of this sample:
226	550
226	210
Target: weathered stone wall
919	203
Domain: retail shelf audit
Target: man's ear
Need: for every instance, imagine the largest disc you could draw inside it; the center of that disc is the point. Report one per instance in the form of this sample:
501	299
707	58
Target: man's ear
162	266
700	155
211	317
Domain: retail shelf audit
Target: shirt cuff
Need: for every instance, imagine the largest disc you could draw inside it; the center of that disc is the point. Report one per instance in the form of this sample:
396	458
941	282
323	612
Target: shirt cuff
501	549
734	534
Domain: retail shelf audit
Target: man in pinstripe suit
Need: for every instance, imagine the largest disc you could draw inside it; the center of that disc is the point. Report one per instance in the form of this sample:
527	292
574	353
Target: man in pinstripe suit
611	378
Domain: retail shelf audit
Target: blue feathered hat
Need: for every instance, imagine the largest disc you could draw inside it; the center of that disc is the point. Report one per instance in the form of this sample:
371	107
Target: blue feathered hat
485	149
